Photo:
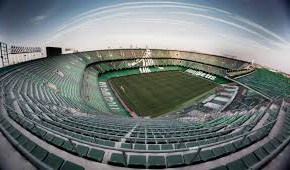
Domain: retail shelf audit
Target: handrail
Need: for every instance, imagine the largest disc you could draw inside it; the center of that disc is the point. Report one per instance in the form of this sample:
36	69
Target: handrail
199	148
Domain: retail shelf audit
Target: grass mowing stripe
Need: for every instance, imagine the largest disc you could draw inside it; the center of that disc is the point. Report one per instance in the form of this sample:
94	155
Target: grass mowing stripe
154	94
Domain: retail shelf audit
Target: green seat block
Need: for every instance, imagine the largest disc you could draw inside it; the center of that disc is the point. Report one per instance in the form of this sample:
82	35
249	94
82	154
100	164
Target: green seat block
206	155
57	141
230	148
174	161
212	140
15	134
109	143
68	147
150	141
53	161
191	144
117	159
253	138
96	155
250	159
140	147
156	162
88	139
219	151
6	124
137	161
22	139
71	166
29	145
10	129
82	150
223	167
260	153
269	147
179	146
236	165
239	144
126	145
281	138
39	132
167	147
39	153
48	137
202	142
191	158
153	147
275	142
161	141
78	136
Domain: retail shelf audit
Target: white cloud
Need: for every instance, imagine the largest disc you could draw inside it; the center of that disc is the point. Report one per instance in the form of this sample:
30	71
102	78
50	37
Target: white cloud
38	19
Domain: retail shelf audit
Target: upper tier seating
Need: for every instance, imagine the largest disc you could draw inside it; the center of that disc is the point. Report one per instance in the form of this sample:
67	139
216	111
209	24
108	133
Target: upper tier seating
272	84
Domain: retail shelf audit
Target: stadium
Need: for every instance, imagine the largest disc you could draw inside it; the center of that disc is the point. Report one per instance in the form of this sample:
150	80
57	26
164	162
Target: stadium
140	108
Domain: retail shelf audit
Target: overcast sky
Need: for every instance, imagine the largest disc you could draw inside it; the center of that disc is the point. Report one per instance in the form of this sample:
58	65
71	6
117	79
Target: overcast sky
256	30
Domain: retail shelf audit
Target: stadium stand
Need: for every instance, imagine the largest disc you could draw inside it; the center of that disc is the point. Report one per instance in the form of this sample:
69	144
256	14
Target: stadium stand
53	113
265	81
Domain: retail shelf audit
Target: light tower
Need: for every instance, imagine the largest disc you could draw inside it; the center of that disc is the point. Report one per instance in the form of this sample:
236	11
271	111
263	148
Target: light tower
4	54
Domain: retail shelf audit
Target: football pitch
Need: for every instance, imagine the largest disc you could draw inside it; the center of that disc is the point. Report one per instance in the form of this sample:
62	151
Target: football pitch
154	94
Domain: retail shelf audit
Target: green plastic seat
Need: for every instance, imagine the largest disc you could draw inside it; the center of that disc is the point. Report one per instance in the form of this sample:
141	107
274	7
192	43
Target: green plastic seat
10	129
57	141
82	150
88	139
48	137
156	162
38	131
222	167
260	153
275	142
137	161
95	154
167	147
126	145
269	147
219	151
39	153
68	147
242	143
71	166
29	145
191	158
175	161
153	147
236	165
140	147
250	159
109	143
179	146
230	148
117	159
206	155
15	134
191	144
6	124
53	161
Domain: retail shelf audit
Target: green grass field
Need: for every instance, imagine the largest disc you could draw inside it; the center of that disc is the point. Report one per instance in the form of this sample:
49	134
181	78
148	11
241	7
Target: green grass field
154	94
